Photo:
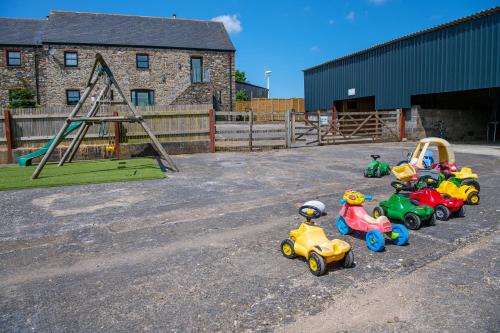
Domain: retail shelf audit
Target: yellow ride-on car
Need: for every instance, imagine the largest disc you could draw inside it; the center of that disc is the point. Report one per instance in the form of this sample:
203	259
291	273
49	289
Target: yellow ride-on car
467	193
309	241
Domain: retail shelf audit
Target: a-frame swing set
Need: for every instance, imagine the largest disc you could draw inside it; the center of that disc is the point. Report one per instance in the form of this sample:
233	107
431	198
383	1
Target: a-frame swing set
101	71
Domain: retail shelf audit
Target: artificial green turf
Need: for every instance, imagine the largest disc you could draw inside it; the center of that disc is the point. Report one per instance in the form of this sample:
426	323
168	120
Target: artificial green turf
81	172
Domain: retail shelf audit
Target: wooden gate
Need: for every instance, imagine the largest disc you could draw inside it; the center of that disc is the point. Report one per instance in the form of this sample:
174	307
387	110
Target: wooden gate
249	131
346	127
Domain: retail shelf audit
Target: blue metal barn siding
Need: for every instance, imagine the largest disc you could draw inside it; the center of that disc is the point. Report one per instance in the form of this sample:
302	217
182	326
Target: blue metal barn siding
458	57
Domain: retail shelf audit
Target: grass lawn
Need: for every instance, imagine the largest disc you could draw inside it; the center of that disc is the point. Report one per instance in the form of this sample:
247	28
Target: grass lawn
81	172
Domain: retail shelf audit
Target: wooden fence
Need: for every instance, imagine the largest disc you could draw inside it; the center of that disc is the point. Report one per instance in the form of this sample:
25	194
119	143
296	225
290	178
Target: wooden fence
32	128
270	109
238	131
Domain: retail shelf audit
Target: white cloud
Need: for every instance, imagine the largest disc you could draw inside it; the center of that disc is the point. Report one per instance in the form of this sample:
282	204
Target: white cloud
377	2
314	48
231	23
350	16
331	21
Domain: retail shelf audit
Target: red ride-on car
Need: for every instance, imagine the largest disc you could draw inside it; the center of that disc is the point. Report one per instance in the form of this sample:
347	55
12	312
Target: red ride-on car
443	206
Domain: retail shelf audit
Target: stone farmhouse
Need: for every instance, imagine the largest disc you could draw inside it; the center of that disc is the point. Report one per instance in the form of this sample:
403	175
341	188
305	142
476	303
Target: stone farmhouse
158	61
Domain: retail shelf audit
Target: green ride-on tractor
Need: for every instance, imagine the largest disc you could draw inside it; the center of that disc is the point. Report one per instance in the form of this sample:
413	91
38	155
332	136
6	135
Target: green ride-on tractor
377	168
399	208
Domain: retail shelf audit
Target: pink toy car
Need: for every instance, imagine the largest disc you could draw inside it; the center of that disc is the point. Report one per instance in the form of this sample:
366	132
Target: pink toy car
353	216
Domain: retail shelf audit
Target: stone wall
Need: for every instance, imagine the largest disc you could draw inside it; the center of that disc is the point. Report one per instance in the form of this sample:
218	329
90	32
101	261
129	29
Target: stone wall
12	77
459	125
169	74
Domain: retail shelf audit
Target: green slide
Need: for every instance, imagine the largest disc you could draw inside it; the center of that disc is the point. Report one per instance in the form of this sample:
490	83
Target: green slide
26	159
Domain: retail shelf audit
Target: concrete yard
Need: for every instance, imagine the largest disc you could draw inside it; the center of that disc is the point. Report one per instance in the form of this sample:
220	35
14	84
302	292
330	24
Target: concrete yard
199	251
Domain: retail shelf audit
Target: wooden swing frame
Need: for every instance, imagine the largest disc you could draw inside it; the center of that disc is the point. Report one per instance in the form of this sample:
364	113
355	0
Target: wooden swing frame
99	69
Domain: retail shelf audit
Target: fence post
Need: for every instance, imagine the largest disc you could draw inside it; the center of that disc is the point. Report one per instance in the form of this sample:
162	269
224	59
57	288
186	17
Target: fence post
292	126
319	128
288	139
212	130
250	129
401	118
8	135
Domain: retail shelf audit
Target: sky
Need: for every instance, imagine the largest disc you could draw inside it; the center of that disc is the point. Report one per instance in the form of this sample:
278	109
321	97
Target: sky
284	36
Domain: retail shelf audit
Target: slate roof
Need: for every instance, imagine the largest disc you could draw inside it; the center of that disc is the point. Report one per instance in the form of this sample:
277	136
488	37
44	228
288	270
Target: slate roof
117	30
142	31
21	31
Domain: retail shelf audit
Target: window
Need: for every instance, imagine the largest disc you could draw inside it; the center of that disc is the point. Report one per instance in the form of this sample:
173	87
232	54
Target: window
196	70
142	61
143	97
72	97
70	59
13	58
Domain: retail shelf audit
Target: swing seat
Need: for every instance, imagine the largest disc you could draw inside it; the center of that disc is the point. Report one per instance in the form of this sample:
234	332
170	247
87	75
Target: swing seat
110	148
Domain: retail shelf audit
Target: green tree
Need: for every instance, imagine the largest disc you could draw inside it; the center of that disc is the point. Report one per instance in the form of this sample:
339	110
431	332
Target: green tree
21	98
241	95
240	76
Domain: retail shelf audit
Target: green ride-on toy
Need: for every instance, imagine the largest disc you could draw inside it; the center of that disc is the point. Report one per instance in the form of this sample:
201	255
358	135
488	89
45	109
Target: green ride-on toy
377	168
401	209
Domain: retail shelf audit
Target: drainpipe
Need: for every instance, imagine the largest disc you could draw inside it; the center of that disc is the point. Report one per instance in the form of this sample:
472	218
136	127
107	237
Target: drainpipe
37	77
230	83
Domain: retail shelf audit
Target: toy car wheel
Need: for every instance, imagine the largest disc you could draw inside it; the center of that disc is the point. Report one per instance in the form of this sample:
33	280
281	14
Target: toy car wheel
348	260
287	248
472	182
375	241
473	198
317	264
378	174
342	226
365	173
402	235
412	221
442	213
378	211
432	220
461	212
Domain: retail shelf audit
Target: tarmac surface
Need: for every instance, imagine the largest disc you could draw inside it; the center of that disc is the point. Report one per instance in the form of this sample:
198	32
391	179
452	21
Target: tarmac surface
200	252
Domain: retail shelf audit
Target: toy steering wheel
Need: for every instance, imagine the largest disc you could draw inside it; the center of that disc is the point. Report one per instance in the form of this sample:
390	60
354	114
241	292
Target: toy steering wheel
445	170
375	157
316	213
425	180
399	186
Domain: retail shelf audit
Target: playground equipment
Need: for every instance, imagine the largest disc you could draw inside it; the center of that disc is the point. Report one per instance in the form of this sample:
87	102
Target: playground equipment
309	241
376	168
399	207
26	160
353	216
100	71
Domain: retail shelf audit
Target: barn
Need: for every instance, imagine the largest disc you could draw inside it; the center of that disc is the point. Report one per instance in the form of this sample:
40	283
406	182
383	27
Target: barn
446	79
